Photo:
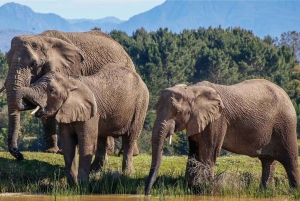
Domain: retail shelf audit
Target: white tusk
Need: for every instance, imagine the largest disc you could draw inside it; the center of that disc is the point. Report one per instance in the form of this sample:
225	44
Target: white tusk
35	110
170	140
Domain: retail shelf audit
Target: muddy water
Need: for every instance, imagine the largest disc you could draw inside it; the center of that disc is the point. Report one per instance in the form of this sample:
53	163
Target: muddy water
24	197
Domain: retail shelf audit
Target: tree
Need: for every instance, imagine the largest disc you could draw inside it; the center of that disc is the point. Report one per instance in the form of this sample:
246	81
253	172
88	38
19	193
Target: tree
291	39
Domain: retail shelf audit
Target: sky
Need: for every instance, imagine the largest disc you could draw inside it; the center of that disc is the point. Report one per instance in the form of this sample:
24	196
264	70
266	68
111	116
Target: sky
89	9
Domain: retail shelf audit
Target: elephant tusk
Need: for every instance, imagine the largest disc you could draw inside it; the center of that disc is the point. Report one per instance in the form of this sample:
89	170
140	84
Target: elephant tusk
35	110
170	140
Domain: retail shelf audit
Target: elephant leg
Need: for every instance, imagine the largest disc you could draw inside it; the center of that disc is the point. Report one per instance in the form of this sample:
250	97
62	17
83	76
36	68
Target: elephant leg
50	135
136	150
268	169
287	151
69	142
291	167
87	133
128	146
200	167
110	147
193	155
100	155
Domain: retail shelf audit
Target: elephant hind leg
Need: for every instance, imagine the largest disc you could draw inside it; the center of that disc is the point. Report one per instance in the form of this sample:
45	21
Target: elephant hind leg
136	150
268	169
291	168
128	143
100	155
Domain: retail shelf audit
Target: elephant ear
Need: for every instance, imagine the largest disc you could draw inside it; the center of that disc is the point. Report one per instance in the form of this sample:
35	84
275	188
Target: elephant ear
61	54
206	108
80	105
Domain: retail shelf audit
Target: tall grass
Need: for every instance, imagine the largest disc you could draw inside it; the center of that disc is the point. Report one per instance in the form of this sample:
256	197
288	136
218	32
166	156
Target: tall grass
235	176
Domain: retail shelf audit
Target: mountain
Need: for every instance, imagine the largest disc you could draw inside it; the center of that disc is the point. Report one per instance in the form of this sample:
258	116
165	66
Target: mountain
266	17
18	17
6	35
106	24
263	17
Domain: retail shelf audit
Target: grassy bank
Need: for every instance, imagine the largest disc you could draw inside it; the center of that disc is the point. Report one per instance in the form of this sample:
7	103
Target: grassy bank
236	176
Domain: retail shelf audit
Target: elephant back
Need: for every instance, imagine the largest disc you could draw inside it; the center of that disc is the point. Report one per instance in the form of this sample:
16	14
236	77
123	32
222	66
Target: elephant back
96	47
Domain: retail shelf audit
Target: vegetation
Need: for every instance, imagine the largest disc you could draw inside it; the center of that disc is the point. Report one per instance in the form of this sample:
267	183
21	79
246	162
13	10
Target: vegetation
163	59
235	176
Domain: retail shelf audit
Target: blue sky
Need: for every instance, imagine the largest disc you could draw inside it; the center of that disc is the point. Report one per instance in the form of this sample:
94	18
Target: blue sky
89	9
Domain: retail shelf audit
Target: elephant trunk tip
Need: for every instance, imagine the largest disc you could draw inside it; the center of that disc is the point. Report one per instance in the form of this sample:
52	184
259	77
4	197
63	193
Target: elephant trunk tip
16	153
150	180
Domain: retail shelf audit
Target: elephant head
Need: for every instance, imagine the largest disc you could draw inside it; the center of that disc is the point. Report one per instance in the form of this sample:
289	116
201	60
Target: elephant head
63	97
178	108
30	57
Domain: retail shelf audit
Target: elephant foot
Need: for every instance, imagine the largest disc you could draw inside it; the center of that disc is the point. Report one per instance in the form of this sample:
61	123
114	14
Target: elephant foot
60	152
54	150
16	153
95	167
129	171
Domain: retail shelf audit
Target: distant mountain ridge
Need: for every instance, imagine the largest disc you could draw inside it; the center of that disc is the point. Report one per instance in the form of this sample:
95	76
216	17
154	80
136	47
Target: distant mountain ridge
266	17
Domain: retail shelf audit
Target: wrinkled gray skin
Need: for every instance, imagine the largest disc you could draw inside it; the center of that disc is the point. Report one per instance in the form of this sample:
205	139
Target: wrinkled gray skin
254	118
112	102
32	56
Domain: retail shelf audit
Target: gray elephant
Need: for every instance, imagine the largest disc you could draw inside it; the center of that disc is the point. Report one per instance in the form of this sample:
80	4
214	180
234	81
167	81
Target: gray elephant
112	102
254	118
32	56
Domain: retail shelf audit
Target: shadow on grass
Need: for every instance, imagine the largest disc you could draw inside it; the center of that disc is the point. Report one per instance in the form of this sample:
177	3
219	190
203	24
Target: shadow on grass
28	175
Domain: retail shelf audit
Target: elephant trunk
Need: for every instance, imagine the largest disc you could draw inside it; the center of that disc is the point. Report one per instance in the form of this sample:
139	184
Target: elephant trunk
15	80
161	130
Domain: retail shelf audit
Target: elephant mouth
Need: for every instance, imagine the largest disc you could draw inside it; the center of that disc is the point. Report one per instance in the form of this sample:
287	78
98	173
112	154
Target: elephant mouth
27	105
31	104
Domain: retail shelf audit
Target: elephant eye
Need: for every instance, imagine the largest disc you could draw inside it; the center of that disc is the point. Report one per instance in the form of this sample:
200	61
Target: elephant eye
34	45
177	112
52	92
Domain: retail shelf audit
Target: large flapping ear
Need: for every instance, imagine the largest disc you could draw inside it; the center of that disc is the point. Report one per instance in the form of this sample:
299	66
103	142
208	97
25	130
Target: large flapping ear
79	106
206	107
61	53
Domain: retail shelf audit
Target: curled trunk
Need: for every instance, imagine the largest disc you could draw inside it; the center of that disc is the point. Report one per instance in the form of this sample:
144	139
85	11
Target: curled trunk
161	130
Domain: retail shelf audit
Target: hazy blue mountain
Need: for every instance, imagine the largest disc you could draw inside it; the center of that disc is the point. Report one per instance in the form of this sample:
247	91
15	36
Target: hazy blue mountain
6	35
106	24
265	17
262	17
16	16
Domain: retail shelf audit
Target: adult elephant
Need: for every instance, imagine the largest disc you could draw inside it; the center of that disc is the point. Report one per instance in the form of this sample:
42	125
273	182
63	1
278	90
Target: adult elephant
32	56
254	118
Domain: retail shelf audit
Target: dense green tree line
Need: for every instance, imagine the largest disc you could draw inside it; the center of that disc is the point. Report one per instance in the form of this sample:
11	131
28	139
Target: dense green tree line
164	58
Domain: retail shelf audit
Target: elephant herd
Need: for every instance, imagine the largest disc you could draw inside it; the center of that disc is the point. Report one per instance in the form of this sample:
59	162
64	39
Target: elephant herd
87	84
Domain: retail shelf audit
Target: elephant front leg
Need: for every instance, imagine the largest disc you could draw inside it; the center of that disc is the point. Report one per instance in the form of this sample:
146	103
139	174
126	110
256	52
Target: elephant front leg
69	143
100	155
268	170
128	144
50	135
209	142
87	140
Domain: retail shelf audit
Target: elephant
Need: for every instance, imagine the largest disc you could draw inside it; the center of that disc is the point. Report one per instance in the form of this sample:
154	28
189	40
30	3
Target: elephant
254	118
32	56
112	102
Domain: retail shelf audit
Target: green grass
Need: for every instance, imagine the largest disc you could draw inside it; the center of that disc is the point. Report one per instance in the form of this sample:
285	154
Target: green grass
235	176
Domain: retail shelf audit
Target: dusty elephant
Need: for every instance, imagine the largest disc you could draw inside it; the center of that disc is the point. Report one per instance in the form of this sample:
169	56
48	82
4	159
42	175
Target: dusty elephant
112	102
32	56
254	118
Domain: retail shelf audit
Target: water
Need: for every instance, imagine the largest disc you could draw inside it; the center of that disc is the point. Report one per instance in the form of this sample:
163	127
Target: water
28	197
